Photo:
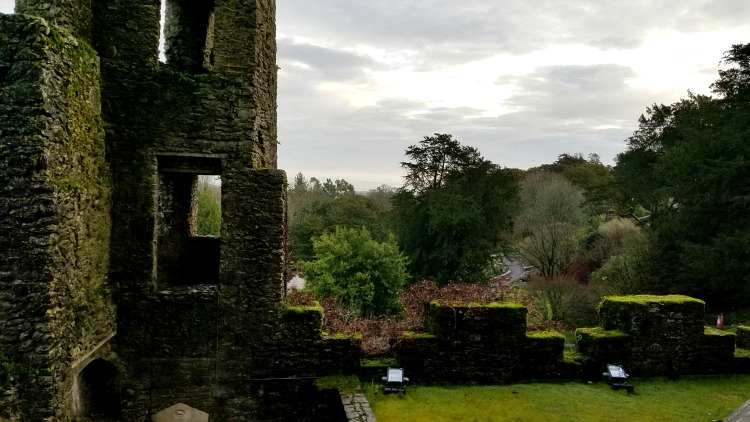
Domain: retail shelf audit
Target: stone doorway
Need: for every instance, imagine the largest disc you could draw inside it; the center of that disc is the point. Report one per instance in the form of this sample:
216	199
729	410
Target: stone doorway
98	392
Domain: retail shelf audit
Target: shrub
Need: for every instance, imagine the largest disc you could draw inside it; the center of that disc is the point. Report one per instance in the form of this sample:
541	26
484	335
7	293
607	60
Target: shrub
362	274
626	273
564	300
208	216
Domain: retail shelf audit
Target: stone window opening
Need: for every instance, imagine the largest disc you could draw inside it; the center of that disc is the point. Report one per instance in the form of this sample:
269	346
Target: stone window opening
98	392
186	39
188	221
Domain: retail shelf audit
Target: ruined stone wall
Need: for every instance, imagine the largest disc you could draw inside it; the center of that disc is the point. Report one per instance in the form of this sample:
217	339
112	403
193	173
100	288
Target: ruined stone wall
657	335
198	320
55	304
486	343
73	16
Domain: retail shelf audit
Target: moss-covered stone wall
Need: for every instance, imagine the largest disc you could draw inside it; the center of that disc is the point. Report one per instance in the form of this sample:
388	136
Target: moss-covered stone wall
656	335
55	302
486	343
80	234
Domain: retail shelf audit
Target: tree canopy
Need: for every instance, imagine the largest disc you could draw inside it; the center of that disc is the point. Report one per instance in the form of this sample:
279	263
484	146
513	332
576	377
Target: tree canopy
316	208
453	214
549	221
690	163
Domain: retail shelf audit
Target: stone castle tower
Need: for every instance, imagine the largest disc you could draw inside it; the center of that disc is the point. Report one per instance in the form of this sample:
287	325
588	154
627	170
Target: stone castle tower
110	305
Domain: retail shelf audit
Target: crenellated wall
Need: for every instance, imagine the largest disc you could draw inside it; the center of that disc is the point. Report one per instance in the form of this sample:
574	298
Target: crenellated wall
658	335
487	343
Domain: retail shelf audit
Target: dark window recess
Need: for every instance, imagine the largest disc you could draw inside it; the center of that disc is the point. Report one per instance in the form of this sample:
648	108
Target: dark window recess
189	34
184	257
98	391
3	74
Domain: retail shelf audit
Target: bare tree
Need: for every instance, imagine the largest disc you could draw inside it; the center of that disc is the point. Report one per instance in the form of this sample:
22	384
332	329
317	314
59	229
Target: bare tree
549	221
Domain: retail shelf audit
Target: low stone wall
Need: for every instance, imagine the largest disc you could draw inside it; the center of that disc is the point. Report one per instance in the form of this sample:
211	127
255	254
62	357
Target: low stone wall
310	351
656	335
487	343
743	337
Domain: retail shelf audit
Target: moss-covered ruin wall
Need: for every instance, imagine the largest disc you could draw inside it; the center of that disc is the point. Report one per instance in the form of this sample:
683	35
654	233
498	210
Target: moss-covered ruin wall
55	302
479	343
198	320
657	335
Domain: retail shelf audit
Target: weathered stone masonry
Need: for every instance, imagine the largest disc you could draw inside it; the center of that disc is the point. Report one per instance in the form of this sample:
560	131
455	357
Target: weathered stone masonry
55	303
110	306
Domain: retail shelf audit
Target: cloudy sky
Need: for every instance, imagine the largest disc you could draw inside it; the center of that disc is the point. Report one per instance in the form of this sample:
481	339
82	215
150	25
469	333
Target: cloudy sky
523	81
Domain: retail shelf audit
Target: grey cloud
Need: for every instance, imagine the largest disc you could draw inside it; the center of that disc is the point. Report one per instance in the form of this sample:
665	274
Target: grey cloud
332	64
598	92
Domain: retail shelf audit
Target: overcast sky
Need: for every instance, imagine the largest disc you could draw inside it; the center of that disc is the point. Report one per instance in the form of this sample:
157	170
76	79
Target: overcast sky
523	81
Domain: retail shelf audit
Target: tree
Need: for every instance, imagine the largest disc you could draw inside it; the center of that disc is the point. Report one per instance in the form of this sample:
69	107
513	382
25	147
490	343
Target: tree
549	221
434	160
361	273
701	172
589	174
316	208
207	201
453	214
382	195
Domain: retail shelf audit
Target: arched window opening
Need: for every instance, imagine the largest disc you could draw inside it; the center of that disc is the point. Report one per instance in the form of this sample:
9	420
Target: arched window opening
98	391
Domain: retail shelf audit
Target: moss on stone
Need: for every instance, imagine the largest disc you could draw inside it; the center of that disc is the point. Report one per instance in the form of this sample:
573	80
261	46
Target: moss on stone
641	312
491	305
549	334
411	335
379	363
346	384
646	299
303	309
711	331
742	353
573	357
599	332
743	328
342	336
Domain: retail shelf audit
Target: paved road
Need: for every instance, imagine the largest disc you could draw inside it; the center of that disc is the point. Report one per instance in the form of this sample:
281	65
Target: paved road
516	269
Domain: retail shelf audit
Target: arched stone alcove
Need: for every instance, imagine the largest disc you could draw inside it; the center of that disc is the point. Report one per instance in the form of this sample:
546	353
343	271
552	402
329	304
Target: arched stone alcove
98	391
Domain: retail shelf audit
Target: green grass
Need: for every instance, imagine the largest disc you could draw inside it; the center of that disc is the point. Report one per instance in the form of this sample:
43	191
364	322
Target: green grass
656	399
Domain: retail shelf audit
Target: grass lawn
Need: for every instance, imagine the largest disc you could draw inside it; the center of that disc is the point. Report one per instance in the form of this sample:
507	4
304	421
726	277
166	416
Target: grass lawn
690	398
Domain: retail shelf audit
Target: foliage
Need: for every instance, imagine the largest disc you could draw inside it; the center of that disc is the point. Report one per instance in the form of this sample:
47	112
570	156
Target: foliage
656	399
549	222
691	164
611	238
361	273
382	196
315	209
435	160
628	272
454	210
378	334
208	204
565	300
590	175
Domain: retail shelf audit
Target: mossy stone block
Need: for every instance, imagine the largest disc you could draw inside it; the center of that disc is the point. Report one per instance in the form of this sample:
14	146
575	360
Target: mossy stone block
743	337
644	312
311	314
603	346
716	353
494	322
